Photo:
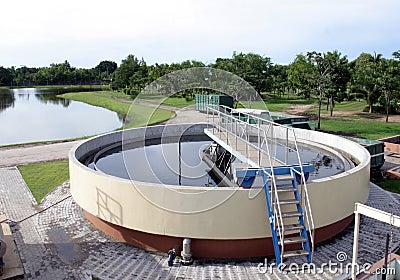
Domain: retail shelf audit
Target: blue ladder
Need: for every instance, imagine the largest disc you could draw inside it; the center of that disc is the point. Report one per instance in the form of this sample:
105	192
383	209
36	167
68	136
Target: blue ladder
284	233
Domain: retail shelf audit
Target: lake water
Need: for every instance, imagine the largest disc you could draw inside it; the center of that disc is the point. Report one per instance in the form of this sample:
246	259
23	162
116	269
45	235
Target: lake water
34	114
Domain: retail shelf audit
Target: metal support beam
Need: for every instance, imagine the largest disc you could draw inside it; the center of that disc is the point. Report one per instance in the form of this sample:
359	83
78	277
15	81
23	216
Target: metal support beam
355	244
361	209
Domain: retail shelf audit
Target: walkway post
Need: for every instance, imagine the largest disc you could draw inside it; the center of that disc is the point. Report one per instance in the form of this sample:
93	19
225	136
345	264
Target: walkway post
355	244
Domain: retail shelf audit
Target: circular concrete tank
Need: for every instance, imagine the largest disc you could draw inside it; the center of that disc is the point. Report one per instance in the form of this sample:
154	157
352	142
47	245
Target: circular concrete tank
222	222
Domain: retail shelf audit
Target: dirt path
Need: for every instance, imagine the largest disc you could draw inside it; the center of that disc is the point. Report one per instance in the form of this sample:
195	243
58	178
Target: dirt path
298	109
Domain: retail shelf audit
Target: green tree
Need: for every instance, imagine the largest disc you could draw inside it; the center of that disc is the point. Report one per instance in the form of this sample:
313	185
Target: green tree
389	83
23	76
253	68
337	79
42	77
191	63
125	71
107	66
396	54
105	69
157	70
366	75
330	79
301	73
6	77
279	77
140	77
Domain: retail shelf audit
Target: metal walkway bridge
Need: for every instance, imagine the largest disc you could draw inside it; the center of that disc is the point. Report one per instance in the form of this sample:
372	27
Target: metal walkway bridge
270	151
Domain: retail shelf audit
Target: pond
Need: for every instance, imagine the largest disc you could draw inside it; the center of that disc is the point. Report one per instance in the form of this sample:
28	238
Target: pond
37	114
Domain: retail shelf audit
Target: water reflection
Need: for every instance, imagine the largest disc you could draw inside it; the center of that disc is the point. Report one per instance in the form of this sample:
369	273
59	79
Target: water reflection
7	100
121	117
33	114
52	99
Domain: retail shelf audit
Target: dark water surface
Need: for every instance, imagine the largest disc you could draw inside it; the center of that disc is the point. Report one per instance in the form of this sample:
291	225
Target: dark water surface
182	164
36	114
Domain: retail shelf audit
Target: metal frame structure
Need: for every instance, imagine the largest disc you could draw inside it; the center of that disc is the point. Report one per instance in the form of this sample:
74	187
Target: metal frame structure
253	141
361	209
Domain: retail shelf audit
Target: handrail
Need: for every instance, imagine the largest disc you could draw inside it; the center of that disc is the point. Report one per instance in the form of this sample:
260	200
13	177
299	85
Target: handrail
222	119
277	218
307	204
237	119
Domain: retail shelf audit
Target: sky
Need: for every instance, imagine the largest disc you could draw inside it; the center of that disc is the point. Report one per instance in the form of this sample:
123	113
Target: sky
85	32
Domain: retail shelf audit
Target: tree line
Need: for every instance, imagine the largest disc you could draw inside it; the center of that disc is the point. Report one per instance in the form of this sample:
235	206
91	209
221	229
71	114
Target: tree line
327	77
57	74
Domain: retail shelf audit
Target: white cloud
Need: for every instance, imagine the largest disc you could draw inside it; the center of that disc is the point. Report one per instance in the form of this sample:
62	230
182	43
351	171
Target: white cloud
84	32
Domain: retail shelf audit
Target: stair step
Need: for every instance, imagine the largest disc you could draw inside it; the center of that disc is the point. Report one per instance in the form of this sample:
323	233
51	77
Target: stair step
292	227
288	201
293	240
285	189
293	214
284	177
295	253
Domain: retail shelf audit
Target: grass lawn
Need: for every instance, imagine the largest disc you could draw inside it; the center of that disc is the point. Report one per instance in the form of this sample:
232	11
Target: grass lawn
276	105
348	106
362	128
42	178
390	185
172	101
138	116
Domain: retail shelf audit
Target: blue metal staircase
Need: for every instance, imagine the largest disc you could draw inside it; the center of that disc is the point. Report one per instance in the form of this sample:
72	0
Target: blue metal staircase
285	212
286	215
255	144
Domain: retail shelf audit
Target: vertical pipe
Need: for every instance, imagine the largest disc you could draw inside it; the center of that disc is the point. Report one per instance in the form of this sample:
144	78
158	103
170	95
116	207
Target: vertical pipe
236	132
247	138
258	140
287	147
354	265
213	122
386	257
180	161
208	120
186	252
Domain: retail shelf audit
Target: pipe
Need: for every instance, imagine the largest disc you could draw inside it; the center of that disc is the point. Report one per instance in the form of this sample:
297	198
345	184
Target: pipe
171	257
186	253
385	265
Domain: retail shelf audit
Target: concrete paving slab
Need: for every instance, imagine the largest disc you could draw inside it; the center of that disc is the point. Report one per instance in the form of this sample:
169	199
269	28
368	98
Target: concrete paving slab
13	266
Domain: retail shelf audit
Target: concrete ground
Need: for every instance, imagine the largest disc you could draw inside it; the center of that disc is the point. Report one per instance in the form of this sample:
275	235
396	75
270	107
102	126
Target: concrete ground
55	241
187	115
21	155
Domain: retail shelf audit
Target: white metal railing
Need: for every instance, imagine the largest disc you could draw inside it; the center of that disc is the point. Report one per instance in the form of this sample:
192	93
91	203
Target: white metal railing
305	199
250	129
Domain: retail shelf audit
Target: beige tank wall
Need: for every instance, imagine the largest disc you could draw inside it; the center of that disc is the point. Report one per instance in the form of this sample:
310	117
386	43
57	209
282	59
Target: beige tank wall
199	212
